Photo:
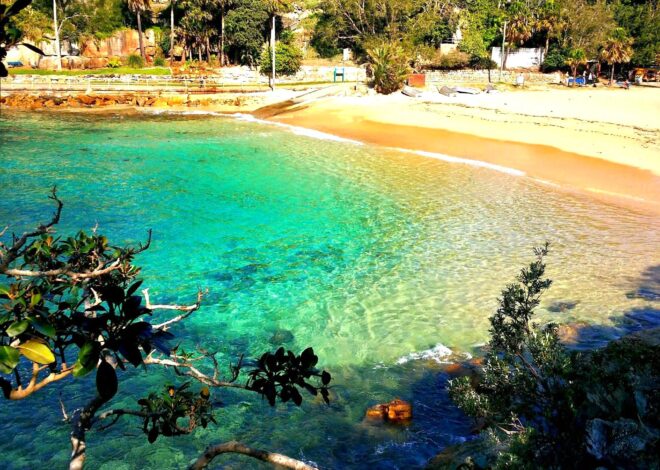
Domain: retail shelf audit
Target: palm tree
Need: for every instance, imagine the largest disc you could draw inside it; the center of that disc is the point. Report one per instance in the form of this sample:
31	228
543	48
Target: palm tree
223	7
519	30
574	59
617	50
138	7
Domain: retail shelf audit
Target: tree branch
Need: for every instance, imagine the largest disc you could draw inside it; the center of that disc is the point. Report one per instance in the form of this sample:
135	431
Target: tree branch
235	447
188	309
193	372
34	386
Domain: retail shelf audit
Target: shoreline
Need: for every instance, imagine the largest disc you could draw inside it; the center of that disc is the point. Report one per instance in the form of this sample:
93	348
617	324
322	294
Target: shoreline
604	173
615	159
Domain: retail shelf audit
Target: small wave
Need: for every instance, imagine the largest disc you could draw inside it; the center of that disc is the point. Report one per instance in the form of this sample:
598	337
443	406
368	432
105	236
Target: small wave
439	353
465	161
302	131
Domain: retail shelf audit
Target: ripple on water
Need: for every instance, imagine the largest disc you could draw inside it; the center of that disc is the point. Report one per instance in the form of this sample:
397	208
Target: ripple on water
371	255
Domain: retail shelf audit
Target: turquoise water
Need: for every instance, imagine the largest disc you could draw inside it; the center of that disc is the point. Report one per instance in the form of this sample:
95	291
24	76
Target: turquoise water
368	254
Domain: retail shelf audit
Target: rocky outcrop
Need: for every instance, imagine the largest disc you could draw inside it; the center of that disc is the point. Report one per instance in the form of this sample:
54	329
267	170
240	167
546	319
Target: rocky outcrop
397	412
121	44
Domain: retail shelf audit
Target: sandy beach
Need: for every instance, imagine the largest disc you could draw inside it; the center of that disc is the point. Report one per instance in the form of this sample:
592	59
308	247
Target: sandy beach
602	141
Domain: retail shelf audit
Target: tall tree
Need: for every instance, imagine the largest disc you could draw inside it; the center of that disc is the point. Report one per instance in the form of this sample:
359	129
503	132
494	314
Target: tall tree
617	50
138	7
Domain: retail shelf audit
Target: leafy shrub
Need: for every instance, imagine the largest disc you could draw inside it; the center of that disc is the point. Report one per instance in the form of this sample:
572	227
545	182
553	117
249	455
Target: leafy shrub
135	61
554	60
453	61
288	59
554	408
114	62
159	61
388	66
482	63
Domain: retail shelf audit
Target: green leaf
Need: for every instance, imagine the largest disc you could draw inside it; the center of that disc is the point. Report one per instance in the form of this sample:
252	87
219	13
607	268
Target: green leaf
106	380
9	358
35	299
87	358
4	291
17	328
37	352
43	327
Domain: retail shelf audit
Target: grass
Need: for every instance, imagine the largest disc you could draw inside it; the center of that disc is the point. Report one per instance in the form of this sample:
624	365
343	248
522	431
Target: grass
106	71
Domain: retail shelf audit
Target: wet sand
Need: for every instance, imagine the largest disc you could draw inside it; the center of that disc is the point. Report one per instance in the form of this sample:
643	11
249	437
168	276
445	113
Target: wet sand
635	184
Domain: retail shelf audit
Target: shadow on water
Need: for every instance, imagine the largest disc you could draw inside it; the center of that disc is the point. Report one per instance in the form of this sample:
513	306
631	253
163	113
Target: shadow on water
583	336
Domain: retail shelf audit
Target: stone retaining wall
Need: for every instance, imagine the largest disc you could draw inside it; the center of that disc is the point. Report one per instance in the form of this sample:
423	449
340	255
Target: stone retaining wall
481	76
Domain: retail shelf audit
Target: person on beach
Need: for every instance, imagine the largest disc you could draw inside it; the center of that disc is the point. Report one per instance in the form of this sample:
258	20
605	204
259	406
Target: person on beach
520	80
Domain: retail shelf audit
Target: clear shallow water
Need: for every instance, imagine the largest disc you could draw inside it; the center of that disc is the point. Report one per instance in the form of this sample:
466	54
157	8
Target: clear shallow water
367	254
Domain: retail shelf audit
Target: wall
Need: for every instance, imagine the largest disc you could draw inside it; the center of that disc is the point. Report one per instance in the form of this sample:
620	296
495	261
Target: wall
481	76
524	58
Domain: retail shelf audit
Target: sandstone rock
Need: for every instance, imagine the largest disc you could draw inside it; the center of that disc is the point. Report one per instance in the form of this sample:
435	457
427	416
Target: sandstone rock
86	100
397	411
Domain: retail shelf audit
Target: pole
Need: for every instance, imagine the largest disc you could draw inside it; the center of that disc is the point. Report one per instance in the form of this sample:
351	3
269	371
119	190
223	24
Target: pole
502	50
57	37
272	45
172	33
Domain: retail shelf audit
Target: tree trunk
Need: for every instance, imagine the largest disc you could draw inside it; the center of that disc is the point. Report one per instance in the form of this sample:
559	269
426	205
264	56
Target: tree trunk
172	34
208	50
222	37
612	75
278	460
199	52
139	22
272	46
57	37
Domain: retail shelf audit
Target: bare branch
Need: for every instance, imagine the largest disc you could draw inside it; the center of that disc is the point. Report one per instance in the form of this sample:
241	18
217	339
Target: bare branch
188	309
185	368
14	250
238	448
34	385
63	272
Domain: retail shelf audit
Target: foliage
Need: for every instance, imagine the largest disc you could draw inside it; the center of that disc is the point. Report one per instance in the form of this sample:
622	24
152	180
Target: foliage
617	48
163	412
482	63
114	62
554	60
246	27
159	61
553	408
71	307
452	61
575	58
388	66
288	59
135	61
641	21
10	34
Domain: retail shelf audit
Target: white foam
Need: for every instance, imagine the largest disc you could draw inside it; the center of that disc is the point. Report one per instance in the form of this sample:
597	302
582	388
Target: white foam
464	161
439	353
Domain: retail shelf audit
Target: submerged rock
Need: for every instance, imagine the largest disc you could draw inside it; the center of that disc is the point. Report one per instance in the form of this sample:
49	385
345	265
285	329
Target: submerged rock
562	306
281	336
397	411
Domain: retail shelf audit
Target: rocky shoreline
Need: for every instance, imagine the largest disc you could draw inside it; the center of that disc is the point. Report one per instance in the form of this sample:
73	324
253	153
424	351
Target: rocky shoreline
36	102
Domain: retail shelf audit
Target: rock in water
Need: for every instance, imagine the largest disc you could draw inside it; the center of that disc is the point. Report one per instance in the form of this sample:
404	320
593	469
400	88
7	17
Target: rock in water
397	412
281	336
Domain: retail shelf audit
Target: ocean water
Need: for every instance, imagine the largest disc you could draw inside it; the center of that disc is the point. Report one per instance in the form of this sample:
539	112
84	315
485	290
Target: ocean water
385	262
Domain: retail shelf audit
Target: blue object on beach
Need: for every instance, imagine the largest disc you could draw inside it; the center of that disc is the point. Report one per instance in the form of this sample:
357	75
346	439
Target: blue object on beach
15	63
578	81
338	73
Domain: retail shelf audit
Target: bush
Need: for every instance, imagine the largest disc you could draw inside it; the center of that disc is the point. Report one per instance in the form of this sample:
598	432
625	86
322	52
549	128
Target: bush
114	62
288	59
554	60
388	66
135	61
453	61
554	408
159	61
482	63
